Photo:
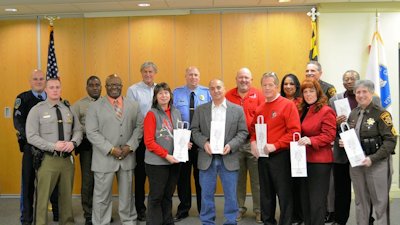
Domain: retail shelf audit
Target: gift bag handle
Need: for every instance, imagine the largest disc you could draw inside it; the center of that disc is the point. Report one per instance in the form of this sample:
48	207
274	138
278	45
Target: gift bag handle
343	126
260	119
181	125
294	136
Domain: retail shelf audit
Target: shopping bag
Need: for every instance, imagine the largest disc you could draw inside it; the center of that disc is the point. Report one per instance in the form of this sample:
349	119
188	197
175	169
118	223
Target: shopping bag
261	135
352	145
181	141
217	137
298	157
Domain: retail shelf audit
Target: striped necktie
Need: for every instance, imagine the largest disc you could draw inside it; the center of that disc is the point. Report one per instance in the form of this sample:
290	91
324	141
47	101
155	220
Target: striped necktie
117	109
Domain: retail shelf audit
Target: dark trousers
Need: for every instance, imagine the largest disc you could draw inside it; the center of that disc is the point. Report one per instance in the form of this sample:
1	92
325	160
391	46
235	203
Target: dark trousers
140	178
314	190
28	188
341	174
85	158
297	211
276	180
162	180
184	183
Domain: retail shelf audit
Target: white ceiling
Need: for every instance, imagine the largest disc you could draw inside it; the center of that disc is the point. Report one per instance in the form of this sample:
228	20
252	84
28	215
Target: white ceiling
79	7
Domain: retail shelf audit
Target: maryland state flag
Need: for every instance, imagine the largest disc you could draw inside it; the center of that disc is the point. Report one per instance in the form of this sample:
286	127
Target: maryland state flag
314	47
52	68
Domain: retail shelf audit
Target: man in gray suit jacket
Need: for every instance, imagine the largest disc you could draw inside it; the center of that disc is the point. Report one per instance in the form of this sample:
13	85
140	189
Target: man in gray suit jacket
114	126
226	165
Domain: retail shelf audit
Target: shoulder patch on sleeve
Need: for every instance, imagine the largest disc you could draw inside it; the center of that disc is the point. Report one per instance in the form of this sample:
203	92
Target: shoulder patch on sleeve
331	91
17	103
387	119
394	131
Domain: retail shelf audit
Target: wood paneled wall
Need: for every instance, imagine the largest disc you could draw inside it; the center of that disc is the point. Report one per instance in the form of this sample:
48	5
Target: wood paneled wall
219	44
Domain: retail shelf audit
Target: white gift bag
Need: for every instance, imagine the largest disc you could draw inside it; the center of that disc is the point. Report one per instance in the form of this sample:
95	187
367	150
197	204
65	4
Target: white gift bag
261	135
342	107
352	145
298	157
181	141
217	137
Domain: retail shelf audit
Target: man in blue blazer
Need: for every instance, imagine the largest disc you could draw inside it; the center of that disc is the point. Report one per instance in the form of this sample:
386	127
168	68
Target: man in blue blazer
226	165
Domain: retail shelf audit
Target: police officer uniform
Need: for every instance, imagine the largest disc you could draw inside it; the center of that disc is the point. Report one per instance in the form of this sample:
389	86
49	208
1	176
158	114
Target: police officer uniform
85	151
328	89
23	104
372	184
42	131
181	101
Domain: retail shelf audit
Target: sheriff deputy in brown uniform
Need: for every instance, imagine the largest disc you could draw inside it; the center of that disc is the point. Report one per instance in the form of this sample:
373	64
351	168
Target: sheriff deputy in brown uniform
53	128
372	180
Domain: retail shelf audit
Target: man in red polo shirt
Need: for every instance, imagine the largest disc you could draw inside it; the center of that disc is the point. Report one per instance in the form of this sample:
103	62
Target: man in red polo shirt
249	98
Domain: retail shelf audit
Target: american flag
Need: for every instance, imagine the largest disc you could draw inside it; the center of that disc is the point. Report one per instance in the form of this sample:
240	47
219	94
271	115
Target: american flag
52	68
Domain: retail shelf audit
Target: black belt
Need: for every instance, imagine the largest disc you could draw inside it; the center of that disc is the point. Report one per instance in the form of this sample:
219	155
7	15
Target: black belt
58	154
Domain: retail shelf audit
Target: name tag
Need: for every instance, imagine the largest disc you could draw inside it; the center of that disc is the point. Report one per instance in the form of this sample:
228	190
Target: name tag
46	116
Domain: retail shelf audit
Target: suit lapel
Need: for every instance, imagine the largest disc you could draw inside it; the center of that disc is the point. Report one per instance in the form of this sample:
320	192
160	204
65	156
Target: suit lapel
208	116
228	119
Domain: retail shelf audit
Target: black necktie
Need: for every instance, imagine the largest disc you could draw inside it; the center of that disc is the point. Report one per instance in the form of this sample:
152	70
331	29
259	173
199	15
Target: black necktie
40	97
191	106
60	124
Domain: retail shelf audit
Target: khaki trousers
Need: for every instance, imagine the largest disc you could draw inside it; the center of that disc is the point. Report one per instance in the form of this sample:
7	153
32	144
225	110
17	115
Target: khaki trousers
55	170
248	162
371	185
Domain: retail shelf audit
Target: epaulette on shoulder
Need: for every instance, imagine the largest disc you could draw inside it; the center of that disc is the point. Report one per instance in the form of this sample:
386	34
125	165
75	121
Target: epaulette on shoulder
66	103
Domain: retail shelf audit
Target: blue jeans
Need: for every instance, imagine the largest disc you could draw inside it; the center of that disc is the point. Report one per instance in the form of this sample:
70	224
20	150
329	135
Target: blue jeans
208	182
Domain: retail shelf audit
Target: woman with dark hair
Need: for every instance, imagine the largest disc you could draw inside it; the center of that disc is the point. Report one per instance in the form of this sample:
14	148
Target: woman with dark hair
318	131
290	88
161	167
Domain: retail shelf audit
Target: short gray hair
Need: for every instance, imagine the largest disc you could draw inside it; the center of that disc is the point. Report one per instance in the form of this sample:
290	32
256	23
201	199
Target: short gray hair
270	74
365	83
317	64
149	64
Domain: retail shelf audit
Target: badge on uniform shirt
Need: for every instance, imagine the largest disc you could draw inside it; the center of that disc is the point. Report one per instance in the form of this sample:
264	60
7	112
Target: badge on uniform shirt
387	119
17	103
331	91
46	115
273	114
253	95
201	97
69	118
370	121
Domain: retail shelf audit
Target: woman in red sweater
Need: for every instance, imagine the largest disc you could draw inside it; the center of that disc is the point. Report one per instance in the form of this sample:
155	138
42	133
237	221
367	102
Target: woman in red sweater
318	128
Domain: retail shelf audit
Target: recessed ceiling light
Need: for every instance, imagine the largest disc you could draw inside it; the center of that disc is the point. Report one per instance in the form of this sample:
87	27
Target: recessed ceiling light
10	10
284	0
143	4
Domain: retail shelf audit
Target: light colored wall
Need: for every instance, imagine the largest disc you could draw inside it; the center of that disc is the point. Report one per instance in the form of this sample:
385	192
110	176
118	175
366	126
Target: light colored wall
343	40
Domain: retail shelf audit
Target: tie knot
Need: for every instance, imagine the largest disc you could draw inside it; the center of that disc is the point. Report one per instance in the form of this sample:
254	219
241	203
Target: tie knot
40	97
56	106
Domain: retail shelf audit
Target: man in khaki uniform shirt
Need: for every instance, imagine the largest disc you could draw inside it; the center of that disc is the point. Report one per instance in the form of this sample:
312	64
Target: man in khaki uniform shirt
85	150
43	130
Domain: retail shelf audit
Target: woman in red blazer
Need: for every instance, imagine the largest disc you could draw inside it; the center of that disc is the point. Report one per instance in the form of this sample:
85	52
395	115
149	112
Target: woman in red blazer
318	126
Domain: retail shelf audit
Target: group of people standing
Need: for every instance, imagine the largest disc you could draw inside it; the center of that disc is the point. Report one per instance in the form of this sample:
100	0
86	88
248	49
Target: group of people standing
132	137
